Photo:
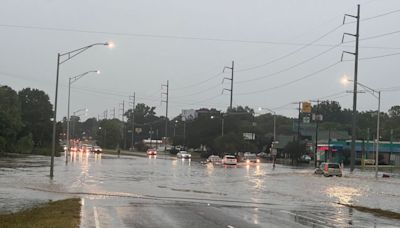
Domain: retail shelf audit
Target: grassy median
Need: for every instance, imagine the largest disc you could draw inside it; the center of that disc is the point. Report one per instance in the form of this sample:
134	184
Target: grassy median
63	213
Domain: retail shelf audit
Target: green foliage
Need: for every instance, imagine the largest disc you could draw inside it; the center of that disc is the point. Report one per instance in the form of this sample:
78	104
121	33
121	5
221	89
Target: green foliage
109	134
10	119
228	144
24	144
295	149
36	111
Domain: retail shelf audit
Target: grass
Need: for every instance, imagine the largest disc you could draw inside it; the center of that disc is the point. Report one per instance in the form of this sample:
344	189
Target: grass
63	213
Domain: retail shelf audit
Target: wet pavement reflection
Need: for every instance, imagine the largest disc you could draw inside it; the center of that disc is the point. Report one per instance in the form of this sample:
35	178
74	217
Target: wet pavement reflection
162	191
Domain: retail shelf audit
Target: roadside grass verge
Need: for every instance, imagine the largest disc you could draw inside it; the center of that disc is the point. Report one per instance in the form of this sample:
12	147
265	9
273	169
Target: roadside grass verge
63	213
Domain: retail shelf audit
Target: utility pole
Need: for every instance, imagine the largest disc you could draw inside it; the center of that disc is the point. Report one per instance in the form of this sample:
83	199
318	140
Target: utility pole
122	108
113	111
231	79
298	133
357	36
105	114
133	119
166	112
317	119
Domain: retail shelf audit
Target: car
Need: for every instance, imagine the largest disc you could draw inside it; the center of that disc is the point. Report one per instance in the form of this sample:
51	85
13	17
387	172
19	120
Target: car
305	158
151	151
329	169
229	160
97	149
183	154
214	159
250	157
262	155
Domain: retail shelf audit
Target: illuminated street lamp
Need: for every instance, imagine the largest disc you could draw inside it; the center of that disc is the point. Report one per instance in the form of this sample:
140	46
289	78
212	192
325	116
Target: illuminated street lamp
222	123
373	92
72	80
68	55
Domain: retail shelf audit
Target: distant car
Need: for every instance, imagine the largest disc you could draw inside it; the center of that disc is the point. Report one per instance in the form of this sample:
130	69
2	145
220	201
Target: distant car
305	158
262	155
97	149
229	160
214	159
329	169
151	152
249	157
183	155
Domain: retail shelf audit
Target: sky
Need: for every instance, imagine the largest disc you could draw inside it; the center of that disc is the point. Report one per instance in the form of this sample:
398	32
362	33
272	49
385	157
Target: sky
284	52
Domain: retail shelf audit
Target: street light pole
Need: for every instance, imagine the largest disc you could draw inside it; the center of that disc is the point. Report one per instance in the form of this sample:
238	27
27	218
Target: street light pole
373	92
70	81
377	136
69	55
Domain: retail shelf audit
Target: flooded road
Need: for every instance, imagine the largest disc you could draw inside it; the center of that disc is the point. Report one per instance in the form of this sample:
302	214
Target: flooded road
162	191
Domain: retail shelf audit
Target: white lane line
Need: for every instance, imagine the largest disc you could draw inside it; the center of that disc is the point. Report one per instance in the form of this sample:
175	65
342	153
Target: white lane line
96	218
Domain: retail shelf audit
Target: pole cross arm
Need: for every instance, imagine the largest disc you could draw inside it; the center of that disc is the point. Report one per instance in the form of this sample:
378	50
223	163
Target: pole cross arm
346	52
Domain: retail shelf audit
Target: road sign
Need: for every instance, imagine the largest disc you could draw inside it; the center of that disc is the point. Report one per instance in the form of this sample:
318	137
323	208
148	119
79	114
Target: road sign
306	107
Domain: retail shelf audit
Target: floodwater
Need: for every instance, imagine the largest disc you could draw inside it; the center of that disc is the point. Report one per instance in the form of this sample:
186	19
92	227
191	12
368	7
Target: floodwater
130	191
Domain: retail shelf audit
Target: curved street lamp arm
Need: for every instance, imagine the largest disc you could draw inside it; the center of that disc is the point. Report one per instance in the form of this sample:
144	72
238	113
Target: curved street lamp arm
77	77
76	52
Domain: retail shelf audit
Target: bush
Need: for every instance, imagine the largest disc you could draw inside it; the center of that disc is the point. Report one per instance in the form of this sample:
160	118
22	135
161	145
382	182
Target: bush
24	145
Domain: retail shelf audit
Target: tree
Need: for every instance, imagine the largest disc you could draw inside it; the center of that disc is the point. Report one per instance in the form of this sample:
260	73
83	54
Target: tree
109	133
10	119
36	114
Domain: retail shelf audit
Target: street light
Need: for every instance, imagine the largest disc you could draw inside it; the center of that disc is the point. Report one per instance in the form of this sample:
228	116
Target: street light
273	112
72	80
69	55
373	92
78	115
222	123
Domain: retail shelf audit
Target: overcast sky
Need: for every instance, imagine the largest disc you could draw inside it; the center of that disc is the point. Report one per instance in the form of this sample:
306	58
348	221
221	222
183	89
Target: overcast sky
285	51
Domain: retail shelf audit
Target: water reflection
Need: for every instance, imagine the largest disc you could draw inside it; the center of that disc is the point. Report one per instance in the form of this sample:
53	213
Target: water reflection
345	195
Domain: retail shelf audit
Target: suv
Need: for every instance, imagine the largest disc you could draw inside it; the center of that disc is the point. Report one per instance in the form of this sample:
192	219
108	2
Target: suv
329	169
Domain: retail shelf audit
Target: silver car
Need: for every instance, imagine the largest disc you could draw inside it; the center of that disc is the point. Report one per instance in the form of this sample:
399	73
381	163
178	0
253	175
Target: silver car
329	169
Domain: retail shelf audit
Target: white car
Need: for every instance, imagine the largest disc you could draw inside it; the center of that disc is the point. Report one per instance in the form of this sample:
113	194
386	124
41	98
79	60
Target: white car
229	160
183	155
97	149
215	159
250	158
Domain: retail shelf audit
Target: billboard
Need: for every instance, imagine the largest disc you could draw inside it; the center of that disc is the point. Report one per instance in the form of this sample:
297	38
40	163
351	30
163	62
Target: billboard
189	114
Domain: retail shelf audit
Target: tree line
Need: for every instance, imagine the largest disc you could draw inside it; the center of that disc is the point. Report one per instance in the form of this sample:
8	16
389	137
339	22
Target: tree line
25	121
26	127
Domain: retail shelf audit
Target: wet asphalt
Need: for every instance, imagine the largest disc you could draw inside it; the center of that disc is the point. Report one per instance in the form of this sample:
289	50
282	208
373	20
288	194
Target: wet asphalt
162	191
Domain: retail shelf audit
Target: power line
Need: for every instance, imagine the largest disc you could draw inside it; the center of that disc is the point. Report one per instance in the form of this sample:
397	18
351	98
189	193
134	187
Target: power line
380	56
289	68
381	15
198	92
291	82
158	36
198	83
291	53
381	35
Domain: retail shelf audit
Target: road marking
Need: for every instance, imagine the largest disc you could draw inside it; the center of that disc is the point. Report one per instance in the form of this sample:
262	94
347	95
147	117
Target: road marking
96	218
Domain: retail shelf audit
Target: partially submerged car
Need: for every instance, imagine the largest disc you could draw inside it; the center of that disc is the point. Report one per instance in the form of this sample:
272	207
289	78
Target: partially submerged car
329	169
